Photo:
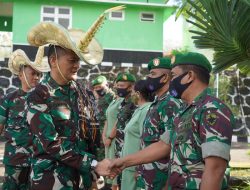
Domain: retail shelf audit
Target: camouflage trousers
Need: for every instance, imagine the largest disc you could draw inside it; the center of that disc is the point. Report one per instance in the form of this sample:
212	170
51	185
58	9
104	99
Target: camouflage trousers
16	178
101	152
59	178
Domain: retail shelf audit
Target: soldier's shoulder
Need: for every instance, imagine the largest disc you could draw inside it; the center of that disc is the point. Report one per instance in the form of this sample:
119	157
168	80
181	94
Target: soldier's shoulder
213	103
170	101
12	95
39	94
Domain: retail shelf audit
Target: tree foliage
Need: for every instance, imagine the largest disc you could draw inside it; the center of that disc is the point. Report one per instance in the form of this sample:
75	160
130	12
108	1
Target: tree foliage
223	25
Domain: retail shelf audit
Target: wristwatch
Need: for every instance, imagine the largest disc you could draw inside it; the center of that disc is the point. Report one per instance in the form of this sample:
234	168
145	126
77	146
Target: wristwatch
110	138
94	164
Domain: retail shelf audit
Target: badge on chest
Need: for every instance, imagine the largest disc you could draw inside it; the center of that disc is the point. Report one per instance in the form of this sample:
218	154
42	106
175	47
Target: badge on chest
61	111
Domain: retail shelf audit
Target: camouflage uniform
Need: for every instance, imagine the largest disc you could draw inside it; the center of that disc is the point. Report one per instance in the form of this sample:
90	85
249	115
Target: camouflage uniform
202	129
60	127
111	115
125	112
102	105
159	120
18	147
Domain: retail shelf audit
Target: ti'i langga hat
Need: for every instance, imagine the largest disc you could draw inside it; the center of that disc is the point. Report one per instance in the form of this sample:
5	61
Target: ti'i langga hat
83	44
18	58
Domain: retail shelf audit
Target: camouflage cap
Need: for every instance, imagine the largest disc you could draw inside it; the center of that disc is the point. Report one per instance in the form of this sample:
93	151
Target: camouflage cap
125	77
191	58
99	80
160	63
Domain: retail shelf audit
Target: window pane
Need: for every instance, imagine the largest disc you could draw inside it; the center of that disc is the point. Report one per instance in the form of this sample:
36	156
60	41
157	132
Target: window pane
64	11
147	16
48	19
116	14
64	22
49	10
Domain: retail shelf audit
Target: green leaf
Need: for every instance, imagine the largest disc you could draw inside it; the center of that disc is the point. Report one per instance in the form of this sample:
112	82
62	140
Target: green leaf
224	26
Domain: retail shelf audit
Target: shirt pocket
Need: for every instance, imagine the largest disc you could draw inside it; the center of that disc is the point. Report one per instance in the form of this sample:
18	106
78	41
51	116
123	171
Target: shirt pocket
62	120
185	152
61	112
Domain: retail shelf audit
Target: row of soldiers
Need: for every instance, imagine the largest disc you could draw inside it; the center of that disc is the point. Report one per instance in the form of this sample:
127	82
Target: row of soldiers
51	126
182	142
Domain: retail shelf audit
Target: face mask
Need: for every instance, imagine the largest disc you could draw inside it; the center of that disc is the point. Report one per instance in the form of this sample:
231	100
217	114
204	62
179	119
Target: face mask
176	89
153	84
122	92
101	92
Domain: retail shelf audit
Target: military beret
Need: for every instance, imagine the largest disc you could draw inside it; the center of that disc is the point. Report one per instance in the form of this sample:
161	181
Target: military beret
160	62
191	58
99	80
125	77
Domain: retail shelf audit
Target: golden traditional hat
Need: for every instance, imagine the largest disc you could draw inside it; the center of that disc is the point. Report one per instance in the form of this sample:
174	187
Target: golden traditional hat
83	44
18	58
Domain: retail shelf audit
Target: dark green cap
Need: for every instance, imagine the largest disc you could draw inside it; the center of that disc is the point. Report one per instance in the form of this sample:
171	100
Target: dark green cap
125	77
191	58
160	62
99	80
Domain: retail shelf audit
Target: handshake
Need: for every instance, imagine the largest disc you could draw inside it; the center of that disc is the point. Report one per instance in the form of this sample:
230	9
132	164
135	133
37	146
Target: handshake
110	168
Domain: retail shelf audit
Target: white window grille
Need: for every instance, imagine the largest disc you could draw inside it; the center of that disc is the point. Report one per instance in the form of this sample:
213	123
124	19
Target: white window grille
117	15
60	15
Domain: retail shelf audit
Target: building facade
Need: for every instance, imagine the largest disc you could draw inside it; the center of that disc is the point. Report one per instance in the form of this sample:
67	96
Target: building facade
133	35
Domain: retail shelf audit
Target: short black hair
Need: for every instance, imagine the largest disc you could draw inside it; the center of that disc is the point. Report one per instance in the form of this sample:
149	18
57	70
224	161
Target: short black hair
202	74
141	86
53	50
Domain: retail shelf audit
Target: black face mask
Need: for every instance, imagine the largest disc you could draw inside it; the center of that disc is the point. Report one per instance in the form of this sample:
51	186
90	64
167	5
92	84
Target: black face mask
153	84
101	92
122	92
176	89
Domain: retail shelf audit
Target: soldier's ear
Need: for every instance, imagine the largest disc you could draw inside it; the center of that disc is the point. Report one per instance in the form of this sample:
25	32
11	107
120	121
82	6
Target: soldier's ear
166	78
191	76
52	61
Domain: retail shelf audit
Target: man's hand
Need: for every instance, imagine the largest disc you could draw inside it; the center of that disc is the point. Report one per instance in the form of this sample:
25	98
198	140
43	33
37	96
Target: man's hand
102	168
116	167
107	143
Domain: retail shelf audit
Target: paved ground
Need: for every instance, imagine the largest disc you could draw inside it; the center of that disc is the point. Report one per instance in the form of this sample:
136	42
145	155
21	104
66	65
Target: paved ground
239	157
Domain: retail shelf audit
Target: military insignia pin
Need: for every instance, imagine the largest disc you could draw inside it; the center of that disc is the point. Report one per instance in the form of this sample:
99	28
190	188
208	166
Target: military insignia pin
156	62
125	77
211	118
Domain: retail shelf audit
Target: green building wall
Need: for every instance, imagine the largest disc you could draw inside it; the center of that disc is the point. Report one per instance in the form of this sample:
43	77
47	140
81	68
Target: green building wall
129	34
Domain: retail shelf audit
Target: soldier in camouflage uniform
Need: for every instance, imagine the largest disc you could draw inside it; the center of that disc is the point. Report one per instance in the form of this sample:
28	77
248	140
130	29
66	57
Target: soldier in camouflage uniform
18	147
110	123
156	130
158	119
105	97
203	129
61	114
125	84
